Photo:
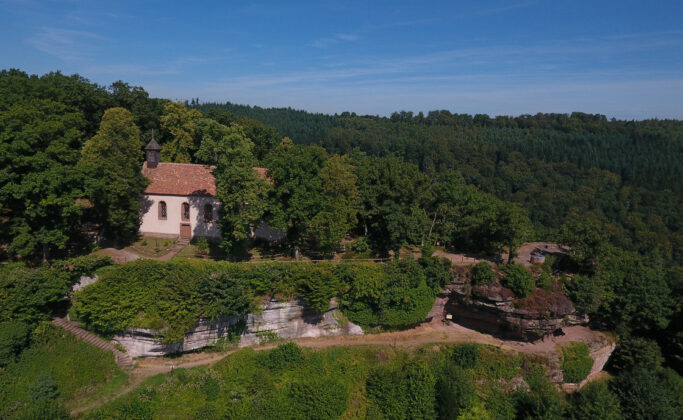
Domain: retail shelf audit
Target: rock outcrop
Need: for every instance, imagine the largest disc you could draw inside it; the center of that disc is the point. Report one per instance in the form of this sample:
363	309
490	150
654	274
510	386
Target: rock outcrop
285	320
495	310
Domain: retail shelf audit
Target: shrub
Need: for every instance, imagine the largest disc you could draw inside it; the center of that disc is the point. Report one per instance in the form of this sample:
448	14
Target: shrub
408	393
637	351
203	244
29	294
318	399
649	394
518	279
283	356
584	292
437	271
455	392
576	362
44	388
82	266
482	273
595	401
360	246
466	356
45	410
14	337
544	281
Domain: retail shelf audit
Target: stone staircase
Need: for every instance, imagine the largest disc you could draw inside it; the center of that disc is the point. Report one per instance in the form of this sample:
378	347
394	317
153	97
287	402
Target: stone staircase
122	359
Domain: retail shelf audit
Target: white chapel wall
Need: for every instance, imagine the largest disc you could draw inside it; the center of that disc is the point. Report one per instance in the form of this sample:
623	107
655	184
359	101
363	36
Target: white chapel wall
152	225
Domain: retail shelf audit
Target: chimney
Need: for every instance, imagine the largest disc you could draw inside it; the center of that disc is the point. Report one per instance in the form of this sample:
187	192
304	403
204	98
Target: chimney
153	153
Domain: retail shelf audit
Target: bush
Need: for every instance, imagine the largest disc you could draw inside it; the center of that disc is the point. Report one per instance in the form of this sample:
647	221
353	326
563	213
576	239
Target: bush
482	273
455	392
545	281
30	294
584	292
319	399
576	362
637	352
44	388
466	356
360	246
595	401
518	279
14	337
649	394
82	266
284	356
408	393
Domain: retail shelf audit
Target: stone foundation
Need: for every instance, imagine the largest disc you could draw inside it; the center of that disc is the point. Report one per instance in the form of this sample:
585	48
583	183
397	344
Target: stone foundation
285	320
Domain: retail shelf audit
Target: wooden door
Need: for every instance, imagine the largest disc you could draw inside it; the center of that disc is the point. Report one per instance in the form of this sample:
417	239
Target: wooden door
185	231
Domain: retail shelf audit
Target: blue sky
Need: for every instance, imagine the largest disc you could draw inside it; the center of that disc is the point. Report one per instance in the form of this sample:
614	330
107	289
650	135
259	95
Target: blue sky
623	58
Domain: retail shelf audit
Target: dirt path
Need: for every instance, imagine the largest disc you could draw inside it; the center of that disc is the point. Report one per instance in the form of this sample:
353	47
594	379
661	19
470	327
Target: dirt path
433	332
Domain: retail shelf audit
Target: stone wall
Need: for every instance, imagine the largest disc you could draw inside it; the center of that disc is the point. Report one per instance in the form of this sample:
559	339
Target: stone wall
286	320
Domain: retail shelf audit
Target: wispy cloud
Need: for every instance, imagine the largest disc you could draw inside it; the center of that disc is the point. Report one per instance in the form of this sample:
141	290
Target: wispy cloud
66	44
327	41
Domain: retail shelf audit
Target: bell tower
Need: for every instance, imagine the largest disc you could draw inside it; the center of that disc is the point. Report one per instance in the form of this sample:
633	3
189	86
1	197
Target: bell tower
153	152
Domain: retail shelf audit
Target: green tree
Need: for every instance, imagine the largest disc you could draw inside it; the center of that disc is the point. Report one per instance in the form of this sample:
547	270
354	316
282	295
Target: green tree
180	123
595	401
649	394
239	188
518	279
482	273
39	183
111	160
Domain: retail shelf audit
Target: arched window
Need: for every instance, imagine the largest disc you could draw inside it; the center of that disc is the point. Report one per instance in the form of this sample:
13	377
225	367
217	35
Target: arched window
208	213
186	211
162	210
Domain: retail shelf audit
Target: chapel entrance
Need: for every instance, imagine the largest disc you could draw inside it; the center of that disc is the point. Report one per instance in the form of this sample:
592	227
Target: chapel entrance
185	231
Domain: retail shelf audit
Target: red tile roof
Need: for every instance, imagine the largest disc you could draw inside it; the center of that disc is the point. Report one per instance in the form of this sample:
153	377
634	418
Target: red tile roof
183	179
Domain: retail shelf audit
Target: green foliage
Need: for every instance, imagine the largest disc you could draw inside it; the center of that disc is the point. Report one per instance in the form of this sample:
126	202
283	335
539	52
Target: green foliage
649	394
542	402
437	271
39	183
584	292
45	410
284	356
314	196
595	401
319	399
482	273
56	365
180	124
518	279
14	337
85	265
409	393
44	388
393	295
544	281
576	362
29	294
466	356
635	352
455	391
111	160
360	245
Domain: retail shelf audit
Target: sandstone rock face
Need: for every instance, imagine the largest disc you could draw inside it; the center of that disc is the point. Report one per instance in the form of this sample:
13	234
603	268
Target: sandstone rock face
494	310
84	281
286	320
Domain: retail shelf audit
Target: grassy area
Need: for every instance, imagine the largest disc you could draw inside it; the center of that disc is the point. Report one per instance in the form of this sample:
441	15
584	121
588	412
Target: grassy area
339	382
83	373
149	246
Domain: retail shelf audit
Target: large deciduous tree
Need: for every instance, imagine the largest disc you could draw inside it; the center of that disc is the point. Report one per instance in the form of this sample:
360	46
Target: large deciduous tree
180	123
39	183
239	188
111	160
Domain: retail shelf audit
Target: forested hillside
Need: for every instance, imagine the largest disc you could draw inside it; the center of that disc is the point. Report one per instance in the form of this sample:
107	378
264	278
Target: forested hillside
623	176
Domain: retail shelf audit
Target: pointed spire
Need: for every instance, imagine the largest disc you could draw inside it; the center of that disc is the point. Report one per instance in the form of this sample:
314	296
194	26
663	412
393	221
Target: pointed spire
152	145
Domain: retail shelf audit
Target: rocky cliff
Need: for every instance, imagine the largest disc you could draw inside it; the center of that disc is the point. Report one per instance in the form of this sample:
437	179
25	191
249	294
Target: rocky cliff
495	310
286	320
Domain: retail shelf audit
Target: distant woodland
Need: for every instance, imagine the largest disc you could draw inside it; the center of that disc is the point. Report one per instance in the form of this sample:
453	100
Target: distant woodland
70	159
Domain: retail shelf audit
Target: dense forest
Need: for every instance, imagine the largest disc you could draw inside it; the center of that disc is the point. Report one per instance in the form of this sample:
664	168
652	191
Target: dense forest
70	158
624	176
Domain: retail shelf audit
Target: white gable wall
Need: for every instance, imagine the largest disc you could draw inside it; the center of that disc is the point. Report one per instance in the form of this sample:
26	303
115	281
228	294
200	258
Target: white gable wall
152	225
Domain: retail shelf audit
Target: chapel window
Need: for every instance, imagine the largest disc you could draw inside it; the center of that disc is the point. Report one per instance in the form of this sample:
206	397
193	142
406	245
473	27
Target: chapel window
186	211
208	213
162	210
